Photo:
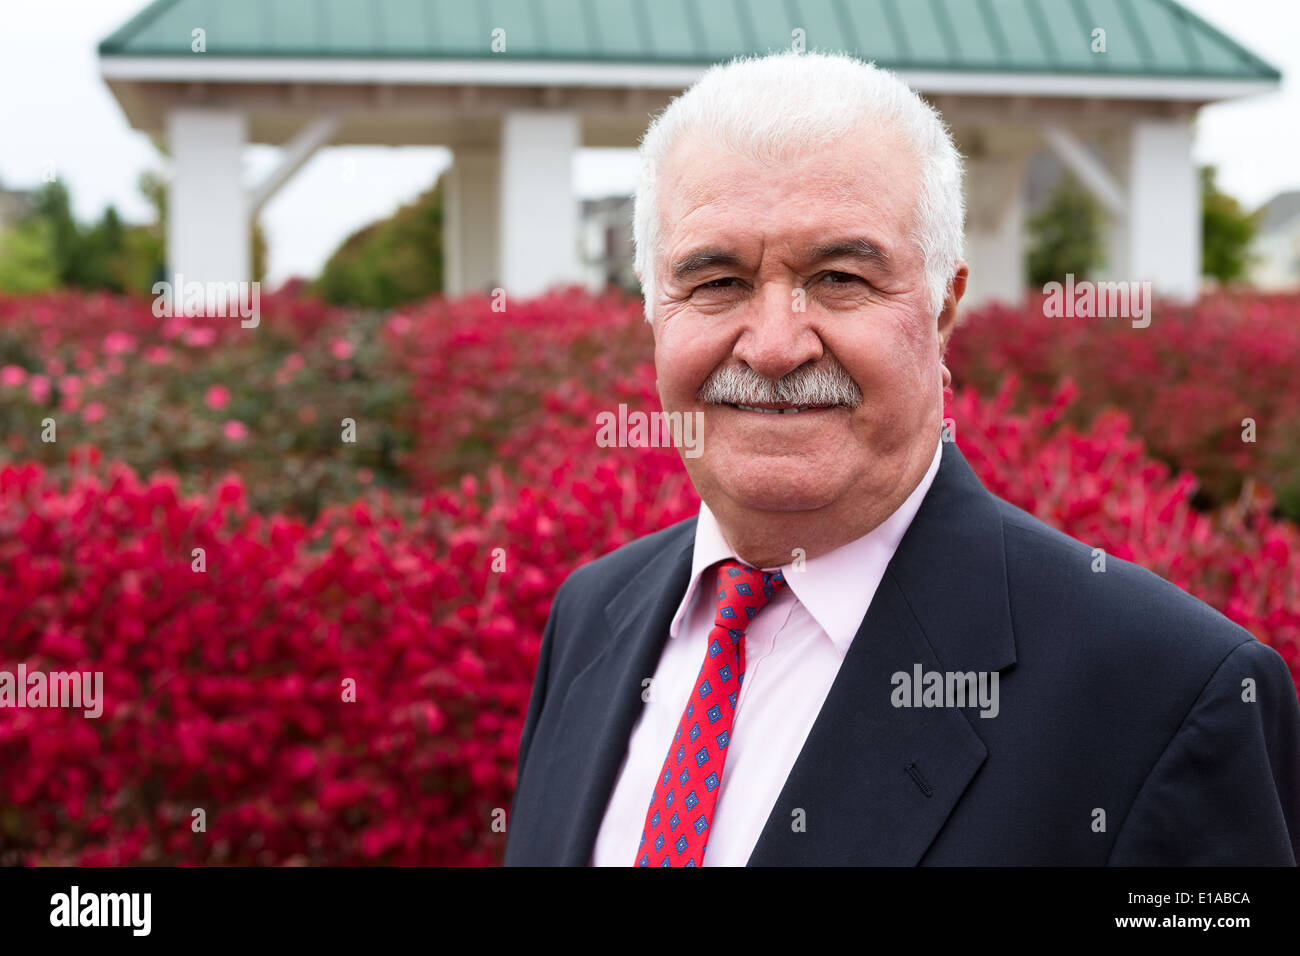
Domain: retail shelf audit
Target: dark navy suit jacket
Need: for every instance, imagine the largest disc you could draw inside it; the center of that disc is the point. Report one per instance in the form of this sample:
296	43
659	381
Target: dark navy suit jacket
1128	732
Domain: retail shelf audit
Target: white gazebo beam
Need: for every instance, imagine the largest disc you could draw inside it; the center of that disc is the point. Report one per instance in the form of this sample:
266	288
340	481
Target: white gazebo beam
296	152
1090	171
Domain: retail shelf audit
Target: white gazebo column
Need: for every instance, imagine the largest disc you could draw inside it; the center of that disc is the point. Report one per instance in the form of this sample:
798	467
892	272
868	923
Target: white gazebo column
208	237
471	220
1159	237
539	209
995	228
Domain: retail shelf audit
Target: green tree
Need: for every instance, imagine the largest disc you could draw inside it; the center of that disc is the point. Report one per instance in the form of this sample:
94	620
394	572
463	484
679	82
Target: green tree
1227	231
27	260
102	262
53	206
150	241
1066	235
107	254
390	261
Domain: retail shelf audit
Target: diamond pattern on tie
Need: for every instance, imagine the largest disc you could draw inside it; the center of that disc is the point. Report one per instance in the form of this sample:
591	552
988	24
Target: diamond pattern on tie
668	839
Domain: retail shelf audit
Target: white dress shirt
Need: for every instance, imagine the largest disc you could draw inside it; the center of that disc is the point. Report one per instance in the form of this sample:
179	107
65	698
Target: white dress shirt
793	650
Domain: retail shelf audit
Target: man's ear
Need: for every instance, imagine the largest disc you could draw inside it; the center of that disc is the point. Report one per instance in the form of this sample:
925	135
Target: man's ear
947	319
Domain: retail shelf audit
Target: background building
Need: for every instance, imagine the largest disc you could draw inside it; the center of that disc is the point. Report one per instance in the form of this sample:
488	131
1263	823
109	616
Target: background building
607	242
1276	249
14	205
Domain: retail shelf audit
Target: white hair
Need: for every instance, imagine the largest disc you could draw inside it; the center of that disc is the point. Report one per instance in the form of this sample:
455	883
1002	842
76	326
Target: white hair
773	107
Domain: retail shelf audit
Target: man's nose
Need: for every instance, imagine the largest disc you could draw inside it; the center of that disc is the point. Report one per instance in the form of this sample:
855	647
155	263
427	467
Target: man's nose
778	335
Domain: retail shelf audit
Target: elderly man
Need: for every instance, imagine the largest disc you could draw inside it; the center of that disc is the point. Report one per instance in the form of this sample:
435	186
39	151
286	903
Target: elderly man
856	654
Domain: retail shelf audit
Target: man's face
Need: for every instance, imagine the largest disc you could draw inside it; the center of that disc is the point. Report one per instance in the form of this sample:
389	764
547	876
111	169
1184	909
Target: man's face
747	281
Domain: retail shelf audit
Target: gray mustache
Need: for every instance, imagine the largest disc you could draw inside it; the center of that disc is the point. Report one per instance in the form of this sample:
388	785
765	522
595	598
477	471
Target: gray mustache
807	385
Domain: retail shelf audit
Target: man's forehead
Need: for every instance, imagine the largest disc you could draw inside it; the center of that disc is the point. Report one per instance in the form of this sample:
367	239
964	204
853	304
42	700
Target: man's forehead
696	156
704	181
697	173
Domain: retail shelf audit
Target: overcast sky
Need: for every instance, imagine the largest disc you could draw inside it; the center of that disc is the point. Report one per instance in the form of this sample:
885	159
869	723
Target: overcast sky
54	108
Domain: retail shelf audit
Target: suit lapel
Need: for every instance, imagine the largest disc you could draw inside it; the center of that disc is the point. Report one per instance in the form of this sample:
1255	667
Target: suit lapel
604	700
875	783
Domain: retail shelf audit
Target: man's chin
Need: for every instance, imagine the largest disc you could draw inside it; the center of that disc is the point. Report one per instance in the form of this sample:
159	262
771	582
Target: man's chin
767	494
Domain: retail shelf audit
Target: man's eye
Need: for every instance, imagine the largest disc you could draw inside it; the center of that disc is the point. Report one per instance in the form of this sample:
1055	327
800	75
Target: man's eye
714	284
842	278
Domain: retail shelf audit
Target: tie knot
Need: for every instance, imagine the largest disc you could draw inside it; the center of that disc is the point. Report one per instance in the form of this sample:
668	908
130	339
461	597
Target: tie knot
742	592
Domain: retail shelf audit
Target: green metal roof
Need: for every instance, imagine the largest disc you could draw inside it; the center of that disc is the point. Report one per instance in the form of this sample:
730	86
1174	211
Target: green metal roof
1143	37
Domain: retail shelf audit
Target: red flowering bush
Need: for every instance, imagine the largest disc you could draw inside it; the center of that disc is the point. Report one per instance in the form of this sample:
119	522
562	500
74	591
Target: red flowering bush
486	385
1188	381
225	688
351	688
201	396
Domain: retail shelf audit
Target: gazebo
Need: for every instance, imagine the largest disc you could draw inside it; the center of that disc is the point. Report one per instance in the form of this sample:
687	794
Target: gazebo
514	87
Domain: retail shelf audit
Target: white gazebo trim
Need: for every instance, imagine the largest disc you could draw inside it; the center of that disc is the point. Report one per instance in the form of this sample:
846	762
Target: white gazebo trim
508	72
1076	86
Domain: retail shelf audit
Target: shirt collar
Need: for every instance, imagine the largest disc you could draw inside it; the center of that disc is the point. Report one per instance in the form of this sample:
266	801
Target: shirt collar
831	585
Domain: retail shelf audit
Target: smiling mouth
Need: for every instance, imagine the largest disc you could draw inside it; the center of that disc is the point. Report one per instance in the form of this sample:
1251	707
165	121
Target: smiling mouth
780	409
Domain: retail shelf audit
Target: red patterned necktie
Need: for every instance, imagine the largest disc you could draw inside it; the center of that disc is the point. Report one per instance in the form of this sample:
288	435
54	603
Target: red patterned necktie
681	807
